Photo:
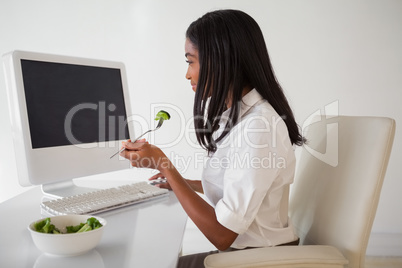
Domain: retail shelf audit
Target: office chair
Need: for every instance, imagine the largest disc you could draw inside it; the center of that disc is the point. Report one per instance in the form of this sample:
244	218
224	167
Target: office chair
334	198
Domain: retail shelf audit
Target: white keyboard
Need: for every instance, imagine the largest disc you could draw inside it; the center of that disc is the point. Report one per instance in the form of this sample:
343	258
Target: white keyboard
104	199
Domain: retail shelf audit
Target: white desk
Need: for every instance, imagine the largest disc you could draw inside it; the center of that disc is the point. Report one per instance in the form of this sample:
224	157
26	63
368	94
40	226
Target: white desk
143	235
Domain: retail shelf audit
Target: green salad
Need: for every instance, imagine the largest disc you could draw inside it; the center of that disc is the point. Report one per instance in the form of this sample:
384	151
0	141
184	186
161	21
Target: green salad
162	114
45	226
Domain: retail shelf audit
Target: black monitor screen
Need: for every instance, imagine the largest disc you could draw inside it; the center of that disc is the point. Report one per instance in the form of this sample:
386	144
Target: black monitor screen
73	104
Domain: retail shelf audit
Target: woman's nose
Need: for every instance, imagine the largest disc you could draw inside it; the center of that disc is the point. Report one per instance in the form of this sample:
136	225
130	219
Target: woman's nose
188	76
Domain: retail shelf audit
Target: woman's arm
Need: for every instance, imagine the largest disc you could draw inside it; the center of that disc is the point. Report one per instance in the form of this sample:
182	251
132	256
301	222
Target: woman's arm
200	212
196	185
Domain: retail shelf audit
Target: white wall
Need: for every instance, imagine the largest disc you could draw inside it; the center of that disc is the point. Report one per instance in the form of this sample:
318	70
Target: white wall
323	51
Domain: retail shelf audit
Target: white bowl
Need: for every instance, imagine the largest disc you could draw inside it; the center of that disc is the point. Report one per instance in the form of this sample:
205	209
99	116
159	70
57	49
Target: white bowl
67	244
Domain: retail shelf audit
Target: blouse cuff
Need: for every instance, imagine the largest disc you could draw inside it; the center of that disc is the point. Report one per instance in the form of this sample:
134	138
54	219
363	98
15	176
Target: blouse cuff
229	219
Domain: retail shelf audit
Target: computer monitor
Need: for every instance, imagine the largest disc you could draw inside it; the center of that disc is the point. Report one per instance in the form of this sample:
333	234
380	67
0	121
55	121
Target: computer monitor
68	116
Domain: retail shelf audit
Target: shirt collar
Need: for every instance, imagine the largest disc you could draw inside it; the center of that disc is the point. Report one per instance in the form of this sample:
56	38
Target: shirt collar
249	100
246	103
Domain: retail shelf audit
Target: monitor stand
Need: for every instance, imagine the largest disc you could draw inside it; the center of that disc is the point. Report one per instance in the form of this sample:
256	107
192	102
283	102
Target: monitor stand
64	189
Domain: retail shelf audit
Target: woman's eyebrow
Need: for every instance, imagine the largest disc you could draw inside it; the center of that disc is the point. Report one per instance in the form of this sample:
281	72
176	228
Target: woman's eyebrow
188	54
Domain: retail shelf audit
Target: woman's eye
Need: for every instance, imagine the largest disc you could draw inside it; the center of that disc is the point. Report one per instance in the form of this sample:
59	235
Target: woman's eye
189	62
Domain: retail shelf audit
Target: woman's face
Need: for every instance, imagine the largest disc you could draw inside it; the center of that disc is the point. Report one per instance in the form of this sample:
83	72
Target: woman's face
191	54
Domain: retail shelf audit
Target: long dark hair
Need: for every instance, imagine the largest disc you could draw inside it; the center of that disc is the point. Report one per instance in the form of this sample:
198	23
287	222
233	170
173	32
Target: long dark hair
232	55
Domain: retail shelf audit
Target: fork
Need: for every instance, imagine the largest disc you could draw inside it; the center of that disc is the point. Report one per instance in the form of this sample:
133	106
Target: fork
157	127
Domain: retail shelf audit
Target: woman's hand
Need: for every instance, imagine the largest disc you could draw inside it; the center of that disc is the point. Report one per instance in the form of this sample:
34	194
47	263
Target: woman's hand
160	181
144	155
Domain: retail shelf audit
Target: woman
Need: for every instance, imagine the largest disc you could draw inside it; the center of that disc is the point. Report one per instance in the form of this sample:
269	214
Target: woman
244	122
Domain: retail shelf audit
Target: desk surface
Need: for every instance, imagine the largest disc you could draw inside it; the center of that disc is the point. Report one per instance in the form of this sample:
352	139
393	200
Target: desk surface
148	234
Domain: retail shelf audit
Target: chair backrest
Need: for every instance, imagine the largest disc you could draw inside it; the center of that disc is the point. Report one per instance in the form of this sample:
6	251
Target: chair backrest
338	182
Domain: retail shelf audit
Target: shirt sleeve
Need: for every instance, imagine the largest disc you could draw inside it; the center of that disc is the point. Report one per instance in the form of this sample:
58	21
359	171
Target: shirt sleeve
256	156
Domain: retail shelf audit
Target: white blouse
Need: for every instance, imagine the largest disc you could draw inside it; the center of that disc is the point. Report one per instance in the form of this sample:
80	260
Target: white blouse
247	178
